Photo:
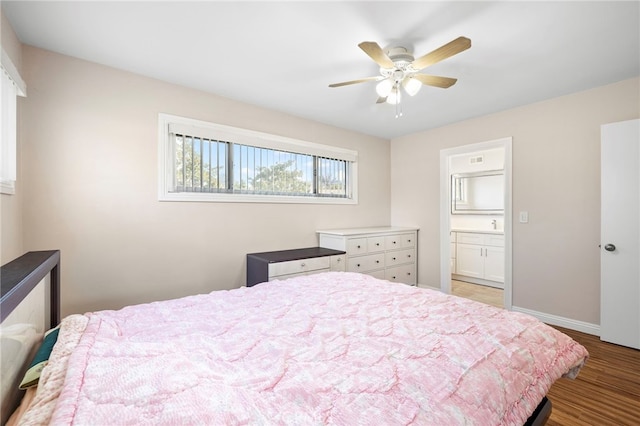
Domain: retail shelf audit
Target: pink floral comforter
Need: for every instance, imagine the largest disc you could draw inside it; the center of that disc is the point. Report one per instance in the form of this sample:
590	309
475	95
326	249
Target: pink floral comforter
334	348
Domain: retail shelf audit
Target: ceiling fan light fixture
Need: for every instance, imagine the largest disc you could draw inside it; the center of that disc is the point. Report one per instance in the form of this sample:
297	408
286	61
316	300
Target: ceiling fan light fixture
394	96
384	87
411	86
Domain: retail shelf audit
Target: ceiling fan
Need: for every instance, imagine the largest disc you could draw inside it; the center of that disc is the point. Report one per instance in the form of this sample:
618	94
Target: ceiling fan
398	68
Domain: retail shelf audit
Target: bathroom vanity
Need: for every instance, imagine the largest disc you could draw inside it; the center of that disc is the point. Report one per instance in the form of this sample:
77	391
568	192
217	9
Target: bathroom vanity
478	256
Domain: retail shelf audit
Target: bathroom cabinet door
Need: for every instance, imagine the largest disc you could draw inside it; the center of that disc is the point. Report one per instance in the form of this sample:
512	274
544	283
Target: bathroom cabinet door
470	260
494	263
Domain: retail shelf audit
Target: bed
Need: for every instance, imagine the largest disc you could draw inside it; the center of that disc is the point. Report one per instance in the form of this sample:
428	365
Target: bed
332	348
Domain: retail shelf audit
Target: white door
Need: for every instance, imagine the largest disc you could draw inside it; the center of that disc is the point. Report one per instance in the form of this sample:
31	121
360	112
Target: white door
620	234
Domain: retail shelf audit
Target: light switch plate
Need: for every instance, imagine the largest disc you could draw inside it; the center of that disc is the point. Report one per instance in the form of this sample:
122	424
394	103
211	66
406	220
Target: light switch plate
524	217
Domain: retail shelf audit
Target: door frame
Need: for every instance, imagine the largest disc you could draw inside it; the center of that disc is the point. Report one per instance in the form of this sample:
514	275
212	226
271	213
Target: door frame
445	213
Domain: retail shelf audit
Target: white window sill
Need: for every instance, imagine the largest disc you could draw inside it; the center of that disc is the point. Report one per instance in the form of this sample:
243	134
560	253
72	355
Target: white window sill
248	198
7	187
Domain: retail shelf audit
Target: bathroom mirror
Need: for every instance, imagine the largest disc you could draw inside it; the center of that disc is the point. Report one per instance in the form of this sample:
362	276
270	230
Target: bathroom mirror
478	192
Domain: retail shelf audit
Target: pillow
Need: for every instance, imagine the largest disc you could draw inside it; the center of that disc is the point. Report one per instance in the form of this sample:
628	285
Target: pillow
32	376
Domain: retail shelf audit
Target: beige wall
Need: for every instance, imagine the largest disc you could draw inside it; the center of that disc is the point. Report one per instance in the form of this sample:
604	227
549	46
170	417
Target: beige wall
89	136
89	179
11	241
556	178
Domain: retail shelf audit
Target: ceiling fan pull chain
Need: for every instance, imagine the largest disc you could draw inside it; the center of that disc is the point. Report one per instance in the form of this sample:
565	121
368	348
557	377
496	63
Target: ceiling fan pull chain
398	107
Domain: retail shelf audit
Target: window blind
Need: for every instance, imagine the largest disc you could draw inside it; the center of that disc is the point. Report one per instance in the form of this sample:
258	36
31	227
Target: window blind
225	163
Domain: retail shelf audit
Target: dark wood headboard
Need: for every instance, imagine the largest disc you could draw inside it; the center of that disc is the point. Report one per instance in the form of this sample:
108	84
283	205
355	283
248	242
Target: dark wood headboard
21	275
18	279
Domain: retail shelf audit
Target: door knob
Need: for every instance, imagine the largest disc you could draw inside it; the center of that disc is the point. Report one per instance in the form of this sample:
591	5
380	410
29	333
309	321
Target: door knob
610	247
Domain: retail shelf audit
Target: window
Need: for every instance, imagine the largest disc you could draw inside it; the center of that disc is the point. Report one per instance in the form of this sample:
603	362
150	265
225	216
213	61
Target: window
11	85
201	161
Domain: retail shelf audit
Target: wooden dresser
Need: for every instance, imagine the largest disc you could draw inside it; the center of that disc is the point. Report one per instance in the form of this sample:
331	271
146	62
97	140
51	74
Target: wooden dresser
272	265
388	253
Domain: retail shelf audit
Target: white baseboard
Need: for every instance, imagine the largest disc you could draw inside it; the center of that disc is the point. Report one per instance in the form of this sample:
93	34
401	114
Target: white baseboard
428	286
480	281
569	323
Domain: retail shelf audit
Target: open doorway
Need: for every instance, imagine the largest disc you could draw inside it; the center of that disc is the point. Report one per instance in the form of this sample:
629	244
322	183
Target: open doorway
475	221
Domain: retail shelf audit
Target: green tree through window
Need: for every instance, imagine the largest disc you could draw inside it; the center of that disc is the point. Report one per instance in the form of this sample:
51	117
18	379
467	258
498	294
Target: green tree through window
203	161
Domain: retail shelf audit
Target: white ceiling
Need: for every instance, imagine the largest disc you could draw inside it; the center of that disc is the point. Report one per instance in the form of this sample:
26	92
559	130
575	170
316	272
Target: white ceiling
283	55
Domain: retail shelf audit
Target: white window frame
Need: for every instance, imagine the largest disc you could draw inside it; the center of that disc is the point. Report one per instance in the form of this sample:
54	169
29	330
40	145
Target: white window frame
168	122
11	87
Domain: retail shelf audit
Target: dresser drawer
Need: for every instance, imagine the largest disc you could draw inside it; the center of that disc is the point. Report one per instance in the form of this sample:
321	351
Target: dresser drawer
402	274
375	244
407	240
366	263
400	241
356	246
399	257
393	242
339	263
299	266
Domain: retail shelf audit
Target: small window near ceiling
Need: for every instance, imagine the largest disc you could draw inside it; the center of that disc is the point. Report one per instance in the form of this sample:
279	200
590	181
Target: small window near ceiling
11	86
202	161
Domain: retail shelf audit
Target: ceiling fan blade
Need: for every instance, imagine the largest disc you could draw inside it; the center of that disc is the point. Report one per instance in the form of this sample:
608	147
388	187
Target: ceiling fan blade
443	52
381	100
434	80
376	53
362	80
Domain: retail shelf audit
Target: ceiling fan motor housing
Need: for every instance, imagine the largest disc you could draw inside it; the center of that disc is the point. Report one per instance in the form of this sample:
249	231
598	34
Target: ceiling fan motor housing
401	59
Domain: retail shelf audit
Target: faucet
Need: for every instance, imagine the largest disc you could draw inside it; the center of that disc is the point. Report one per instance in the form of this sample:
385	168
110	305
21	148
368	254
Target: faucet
494	223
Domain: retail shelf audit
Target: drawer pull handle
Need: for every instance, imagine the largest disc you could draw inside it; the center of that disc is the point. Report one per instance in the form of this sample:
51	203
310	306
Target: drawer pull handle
393	258
303	264
394	277
339	259
378	244
358	246
358	265
394	242
409	273
377	261
409	256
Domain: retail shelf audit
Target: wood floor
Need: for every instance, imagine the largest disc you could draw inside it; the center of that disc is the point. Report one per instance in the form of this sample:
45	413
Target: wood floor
481	293
607	390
